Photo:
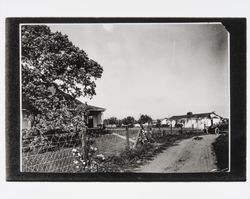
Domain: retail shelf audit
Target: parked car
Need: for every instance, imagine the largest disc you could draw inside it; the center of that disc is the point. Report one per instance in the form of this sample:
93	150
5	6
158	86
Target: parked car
221	127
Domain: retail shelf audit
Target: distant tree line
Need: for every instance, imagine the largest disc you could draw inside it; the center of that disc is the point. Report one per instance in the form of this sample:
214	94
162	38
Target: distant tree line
128	121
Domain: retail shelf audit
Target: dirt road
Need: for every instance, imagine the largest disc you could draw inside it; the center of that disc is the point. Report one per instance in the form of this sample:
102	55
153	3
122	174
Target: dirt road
190	155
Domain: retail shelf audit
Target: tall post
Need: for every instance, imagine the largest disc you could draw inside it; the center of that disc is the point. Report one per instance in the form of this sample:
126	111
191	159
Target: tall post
160	133
163	132
127	137
171	128
137	137
83	138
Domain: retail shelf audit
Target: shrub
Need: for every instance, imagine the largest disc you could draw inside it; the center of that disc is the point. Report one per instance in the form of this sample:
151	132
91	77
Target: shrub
221	150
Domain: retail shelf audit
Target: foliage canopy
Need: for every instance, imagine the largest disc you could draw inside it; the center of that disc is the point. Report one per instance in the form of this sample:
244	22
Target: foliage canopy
145	119
54	73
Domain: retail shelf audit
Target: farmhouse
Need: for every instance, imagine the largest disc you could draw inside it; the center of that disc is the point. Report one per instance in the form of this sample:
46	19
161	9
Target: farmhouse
94	117
198	121
165	121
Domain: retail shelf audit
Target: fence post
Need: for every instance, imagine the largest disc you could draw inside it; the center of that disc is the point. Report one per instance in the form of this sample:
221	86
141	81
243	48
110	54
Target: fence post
137	138
127	137
83	143
160	132
171	129
192	127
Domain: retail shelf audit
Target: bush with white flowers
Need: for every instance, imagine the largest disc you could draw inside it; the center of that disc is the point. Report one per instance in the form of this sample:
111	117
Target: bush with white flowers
89	162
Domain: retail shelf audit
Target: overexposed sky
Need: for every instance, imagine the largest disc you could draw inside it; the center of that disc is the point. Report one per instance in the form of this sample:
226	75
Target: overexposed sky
156	69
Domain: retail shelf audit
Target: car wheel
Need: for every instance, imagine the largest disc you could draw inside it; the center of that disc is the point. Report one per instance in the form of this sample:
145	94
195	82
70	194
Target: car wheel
217	130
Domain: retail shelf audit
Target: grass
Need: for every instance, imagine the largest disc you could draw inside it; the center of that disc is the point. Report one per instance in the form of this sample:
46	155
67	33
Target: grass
61	160
118	159
128	160
132	132
110	145
221	150
155	131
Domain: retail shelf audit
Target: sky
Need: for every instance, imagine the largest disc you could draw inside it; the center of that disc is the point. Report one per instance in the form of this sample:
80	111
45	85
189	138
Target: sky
156	69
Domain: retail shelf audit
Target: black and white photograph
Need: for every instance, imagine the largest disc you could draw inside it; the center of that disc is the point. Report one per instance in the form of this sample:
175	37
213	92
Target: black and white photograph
126	99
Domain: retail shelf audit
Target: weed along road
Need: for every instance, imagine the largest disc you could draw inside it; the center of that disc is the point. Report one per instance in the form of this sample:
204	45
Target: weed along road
190	155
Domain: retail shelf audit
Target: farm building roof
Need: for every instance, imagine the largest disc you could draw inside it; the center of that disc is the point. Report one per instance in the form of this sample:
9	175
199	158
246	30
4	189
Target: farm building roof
198	115
94	108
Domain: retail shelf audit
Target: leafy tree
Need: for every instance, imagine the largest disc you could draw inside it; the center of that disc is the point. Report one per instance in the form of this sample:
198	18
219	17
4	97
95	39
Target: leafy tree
54	73
112	121
145	119
158	123
129	121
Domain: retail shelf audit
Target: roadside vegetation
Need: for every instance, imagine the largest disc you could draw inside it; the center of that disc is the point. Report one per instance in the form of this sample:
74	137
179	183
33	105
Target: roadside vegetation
129	160
221	150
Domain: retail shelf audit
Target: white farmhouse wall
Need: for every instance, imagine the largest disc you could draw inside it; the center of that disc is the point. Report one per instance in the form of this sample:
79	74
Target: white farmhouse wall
165	122
188	123
204	122
173	122
197	123
216	120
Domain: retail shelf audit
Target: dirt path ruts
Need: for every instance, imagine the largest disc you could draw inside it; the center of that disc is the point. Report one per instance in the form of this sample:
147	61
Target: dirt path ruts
189	155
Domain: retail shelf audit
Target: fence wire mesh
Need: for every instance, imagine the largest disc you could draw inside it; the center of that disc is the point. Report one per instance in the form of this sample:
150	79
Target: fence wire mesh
53	152
49	153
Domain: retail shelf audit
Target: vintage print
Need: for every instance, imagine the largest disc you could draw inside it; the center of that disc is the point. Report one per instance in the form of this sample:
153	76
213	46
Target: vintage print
124	97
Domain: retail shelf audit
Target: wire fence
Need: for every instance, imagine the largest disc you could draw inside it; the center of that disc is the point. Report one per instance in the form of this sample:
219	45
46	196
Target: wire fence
48	153
53	152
